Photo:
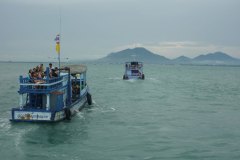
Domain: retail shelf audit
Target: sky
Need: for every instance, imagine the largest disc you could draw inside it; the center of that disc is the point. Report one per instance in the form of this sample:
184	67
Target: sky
92	29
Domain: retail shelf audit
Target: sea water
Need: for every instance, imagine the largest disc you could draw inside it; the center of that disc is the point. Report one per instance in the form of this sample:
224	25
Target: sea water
177	112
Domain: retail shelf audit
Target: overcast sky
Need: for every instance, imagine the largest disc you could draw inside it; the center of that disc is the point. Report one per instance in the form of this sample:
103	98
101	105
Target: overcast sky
94	28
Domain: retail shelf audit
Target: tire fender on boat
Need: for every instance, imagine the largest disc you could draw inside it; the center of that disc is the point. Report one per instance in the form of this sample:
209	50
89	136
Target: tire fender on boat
89	99
67	113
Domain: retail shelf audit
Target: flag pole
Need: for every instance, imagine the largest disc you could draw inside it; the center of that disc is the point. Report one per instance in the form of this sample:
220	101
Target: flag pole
60	30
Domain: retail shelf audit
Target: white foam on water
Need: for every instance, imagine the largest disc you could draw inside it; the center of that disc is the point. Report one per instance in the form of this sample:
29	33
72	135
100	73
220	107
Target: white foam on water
94	102
96	107
19	138
131	80
113	109
4	124
76	111
152	79
80	115
108	110
115	78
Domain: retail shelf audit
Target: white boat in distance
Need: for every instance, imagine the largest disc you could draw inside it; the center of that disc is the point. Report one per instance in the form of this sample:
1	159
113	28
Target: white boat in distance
133	70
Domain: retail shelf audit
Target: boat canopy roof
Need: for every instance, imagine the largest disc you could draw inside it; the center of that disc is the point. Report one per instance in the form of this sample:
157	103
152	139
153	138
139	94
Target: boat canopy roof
76	68
133	62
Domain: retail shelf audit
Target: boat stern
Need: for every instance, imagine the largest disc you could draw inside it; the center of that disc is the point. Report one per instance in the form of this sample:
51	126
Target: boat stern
19	115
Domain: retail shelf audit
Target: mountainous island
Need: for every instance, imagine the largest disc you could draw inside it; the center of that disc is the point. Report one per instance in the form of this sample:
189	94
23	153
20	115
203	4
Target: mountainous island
146	56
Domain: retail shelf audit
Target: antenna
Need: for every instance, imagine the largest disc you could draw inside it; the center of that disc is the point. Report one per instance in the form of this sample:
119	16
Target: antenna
60	21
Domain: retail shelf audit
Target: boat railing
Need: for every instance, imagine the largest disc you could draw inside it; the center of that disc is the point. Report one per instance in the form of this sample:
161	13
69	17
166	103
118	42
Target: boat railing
138	66
42	85
134	67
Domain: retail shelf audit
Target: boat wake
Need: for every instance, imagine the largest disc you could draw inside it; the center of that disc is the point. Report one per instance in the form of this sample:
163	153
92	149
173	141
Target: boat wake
131	80
152	79
108	110
102	109
80	115
113	109
4	124
94	102
115	78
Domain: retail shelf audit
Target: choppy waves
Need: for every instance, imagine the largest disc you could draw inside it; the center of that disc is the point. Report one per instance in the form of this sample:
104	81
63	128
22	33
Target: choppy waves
177	112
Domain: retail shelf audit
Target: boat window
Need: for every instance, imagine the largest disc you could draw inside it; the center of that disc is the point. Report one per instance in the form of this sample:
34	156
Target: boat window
134	63
75	90
135	71
36	101
82	84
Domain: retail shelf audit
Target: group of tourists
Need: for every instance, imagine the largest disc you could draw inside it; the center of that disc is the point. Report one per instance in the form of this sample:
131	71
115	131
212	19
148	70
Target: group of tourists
38	73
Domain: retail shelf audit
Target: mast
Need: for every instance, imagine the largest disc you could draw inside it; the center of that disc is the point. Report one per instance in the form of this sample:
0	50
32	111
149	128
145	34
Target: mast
60	34
57	39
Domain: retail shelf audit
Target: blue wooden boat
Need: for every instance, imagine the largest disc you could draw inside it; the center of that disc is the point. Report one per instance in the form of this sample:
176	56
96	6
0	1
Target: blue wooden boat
52	99
133	70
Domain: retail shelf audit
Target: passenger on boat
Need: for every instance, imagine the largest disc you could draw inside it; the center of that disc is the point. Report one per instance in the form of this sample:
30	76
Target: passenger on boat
36	75
75	89
50	66
30	73
55	72
40	71
37	69
41	68
37	78
34	70
51	71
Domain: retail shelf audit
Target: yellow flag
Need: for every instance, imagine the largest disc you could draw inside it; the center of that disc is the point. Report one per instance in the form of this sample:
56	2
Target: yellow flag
58	48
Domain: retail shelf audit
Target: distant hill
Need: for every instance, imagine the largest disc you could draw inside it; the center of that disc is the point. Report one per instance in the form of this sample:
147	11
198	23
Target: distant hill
182	60
216	58
139	54
142	54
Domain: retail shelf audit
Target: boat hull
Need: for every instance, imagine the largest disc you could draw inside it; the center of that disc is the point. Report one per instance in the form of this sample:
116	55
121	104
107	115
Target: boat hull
40	115
127	77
